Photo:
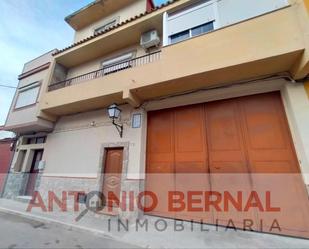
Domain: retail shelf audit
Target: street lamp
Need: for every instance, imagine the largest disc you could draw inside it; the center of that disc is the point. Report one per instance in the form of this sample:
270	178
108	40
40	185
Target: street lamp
114	113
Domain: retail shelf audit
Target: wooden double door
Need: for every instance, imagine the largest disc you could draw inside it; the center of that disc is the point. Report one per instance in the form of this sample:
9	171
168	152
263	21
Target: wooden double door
240	148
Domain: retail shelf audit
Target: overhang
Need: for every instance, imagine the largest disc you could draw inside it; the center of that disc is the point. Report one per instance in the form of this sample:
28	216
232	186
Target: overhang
94	12
252	49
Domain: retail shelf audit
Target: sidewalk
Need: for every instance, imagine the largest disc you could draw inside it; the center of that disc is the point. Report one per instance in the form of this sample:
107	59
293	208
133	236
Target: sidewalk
191	237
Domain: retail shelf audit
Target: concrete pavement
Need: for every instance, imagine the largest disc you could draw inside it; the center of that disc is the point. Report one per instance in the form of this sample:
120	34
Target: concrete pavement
151	237
20	232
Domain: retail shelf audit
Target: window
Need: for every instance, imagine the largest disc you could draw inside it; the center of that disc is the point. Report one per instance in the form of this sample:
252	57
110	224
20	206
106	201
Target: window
190	21
201	29
27	96
180	36
105	27
117	64
36	140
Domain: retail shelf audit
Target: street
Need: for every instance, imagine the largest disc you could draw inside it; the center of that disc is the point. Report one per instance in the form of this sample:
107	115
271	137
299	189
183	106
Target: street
19	232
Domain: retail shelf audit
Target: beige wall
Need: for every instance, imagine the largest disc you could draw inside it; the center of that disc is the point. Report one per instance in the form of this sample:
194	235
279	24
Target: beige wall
25	118
297	105
138	7
96	64
23	156
39	61
266	51
73	149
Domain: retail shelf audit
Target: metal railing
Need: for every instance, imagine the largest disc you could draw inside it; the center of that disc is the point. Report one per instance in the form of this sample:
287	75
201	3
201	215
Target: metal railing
114	68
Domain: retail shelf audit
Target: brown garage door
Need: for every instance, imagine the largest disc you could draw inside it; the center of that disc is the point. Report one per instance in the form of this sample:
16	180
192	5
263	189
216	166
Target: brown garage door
229	162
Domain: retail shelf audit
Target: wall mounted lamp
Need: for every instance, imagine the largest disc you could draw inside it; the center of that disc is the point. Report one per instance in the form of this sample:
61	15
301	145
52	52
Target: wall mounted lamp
114	113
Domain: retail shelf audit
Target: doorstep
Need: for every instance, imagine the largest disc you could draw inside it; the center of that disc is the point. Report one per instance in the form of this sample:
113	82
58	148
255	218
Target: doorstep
24	198
192	235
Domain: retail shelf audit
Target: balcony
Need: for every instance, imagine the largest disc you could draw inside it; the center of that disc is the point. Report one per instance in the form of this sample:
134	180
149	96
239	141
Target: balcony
114	68
249	49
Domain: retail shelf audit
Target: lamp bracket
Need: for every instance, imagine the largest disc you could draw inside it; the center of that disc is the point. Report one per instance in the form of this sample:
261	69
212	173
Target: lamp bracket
118	127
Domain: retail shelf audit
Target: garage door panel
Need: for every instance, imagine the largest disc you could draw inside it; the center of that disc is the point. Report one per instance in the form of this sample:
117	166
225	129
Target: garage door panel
160	185
160	160
228	164
224	138
222	127
189	129
278	166
193	186
273	162
190	167
286	199
190	147
160	168
229	157
160	133
263	122
232	146
266	133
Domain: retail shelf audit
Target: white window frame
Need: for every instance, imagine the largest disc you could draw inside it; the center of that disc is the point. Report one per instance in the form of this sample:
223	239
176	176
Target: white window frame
167	17
190	34
24	89
107	67
106	25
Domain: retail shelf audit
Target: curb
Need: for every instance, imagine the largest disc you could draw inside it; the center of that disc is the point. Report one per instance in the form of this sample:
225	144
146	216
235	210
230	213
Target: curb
66	225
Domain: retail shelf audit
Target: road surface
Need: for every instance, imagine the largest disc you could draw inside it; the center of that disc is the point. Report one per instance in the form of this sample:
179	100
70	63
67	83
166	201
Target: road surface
19	232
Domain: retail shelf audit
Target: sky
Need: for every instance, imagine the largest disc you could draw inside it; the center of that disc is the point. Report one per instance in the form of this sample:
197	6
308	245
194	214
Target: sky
29	28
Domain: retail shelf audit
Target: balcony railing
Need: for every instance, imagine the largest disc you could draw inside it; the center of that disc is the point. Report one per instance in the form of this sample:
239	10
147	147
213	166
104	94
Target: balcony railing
114	68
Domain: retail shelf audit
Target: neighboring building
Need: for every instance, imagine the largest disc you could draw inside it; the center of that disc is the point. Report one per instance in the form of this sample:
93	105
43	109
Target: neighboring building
31	130
6	154
204	87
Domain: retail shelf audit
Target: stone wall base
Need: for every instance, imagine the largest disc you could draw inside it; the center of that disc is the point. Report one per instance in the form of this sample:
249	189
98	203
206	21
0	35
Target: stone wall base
61	186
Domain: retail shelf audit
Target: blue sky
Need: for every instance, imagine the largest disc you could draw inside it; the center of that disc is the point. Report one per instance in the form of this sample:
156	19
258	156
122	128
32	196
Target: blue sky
29	28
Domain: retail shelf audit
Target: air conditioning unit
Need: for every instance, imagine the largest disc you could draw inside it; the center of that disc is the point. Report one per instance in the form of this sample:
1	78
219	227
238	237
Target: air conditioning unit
150	39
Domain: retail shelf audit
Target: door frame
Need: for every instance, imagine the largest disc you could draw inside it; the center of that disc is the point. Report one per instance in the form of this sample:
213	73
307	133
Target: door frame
31	165
102	163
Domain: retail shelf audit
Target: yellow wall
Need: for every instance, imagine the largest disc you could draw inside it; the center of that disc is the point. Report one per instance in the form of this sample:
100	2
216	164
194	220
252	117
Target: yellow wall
121	15
307	87
307	4
211	62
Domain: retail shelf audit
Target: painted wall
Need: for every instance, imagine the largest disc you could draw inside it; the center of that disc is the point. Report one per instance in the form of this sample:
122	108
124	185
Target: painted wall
73	149
97	64
233	11
138	7
27	116
212	61
307	88
221	12
297	105
39	61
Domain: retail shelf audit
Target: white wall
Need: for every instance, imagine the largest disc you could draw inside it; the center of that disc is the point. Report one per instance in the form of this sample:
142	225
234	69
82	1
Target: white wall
222	12
233	11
